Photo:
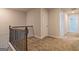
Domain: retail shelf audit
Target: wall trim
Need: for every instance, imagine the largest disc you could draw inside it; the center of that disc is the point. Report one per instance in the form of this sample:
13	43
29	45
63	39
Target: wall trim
38	37
54	36
42	37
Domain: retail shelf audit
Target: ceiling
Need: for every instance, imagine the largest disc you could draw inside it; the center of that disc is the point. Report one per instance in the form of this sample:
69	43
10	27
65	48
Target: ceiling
67	10
70	10
22	9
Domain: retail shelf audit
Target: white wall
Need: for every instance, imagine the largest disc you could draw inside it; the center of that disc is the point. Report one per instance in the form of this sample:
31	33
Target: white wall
44	22
54	22
66	23
9	17
38	18
33	18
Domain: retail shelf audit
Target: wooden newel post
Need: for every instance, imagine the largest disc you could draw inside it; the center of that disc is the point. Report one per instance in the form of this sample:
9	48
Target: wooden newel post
26	34
9	33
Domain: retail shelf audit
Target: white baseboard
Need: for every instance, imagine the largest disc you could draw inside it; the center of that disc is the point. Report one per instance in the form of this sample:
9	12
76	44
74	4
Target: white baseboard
37	37
58	37
12	48
54	36
40	37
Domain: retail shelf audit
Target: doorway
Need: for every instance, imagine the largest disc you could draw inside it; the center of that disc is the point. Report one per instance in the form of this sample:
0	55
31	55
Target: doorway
73	23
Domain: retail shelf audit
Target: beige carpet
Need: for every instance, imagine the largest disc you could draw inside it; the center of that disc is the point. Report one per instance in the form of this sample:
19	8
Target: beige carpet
52	44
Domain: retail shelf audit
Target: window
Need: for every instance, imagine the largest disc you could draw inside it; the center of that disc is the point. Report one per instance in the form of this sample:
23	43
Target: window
73	25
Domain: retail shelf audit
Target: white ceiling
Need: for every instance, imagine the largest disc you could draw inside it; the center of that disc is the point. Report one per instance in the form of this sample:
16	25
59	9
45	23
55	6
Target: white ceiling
67	10
22	9
71	10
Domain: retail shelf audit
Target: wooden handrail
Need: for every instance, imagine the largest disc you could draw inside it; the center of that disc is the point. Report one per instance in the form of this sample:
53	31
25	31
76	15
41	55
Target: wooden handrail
19	26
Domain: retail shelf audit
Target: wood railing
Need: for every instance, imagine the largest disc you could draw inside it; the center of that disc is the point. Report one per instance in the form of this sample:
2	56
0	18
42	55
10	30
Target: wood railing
18	37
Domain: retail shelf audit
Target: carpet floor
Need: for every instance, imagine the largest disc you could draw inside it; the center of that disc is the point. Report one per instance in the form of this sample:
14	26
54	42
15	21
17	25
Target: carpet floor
52	44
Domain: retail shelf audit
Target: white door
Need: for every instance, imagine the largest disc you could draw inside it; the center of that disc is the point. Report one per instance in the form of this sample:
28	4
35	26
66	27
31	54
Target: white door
62	24
44	22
